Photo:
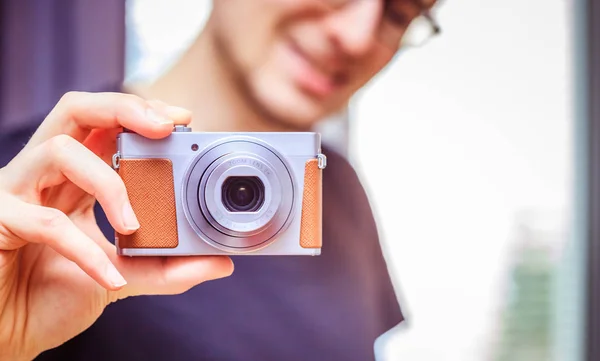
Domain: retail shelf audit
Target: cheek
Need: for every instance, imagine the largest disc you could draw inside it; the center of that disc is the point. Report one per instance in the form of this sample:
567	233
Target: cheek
251	28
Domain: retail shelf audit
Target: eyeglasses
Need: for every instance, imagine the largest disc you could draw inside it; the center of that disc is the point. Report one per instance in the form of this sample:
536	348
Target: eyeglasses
420	30
416	33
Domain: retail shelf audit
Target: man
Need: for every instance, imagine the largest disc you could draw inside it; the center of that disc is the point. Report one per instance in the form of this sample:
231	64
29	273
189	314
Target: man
270	65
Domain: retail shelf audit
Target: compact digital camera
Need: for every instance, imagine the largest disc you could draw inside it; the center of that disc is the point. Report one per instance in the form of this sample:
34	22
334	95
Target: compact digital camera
197	193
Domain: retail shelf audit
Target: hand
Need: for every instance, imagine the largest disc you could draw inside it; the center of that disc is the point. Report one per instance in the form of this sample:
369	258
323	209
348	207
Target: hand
57	270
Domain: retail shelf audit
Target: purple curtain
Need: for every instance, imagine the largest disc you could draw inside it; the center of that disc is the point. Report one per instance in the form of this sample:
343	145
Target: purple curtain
48	47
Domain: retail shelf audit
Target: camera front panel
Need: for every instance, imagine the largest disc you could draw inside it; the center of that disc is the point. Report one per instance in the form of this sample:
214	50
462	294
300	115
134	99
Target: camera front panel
239	194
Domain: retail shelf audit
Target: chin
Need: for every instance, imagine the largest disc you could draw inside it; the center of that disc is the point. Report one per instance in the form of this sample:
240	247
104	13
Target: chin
287	105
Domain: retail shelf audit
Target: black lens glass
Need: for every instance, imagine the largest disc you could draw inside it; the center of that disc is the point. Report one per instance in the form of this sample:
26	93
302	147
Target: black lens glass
243	194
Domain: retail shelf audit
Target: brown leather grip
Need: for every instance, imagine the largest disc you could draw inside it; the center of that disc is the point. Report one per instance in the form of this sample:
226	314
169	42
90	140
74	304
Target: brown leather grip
150	187
312	219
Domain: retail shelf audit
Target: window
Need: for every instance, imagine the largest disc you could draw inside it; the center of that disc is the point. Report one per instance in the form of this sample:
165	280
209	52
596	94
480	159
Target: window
466	146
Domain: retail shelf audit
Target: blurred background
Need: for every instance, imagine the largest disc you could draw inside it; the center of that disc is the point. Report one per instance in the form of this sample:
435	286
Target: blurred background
474	150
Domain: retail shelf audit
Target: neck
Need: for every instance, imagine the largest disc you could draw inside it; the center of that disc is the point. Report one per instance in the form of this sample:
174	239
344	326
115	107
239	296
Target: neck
202	82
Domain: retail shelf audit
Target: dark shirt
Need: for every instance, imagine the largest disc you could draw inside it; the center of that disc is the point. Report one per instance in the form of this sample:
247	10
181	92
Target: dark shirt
329	307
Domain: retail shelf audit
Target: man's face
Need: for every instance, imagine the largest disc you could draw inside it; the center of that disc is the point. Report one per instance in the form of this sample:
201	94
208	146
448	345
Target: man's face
300	60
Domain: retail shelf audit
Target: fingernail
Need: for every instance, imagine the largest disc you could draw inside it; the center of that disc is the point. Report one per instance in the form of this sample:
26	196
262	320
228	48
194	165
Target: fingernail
129	218
115	278
231	269
156	117
177	113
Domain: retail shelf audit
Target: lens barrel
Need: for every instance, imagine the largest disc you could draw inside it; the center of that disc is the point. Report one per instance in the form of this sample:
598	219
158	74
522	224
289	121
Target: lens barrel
243	194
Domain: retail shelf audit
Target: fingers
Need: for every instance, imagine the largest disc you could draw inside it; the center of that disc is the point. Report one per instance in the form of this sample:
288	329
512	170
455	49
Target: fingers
103	143
77	113
53	228
159	275
169	275
172	275
62	157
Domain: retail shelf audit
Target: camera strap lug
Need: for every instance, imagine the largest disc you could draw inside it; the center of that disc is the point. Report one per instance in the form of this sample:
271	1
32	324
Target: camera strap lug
116	160
322	161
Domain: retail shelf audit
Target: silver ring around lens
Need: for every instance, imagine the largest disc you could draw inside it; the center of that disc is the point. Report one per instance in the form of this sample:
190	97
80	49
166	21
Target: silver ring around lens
239	224
202	221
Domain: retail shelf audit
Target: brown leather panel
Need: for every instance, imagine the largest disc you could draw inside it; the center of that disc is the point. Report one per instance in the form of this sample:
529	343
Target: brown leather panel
311	222
151	192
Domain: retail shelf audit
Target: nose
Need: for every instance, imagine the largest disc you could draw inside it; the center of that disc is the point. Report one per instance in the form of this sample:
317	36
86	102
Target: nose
354	27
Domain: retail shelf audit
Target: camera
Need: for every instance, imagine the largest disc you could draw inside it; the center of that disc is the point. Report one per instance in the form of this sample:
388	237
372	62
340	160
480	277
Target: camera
216	193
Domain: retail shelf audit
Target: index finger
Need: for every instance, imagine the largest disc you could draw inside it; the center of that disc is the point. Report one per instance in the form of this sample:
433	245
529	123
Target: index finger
78	113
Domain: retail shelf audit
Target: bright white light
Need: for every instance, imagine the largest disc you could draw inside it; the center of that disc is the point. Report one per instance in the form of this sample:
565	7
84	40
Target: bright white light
163	29
454	140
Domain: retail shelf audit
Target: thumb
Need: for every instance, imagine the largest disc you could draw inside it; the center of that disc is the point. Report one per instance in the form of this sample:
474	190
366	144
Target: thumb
168	275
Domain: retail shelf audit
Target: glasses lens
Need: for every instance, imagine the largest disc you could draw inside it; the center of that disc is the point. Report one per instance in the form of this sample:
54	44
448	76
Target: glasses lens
418	32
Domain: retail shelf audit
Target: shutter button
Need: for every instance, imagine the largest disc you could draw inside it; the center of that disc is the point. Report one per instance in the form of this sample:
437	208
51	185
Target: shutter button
182	128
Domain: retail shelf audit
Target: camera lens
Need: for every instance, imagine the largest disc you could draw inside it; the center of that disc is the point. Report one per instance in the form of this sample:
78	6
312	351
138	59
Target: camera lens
243	194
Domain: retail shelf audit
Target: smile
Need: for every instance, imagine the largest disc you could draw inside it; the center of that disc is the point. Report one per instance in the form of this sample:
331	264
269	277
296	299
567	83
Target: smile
308	74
